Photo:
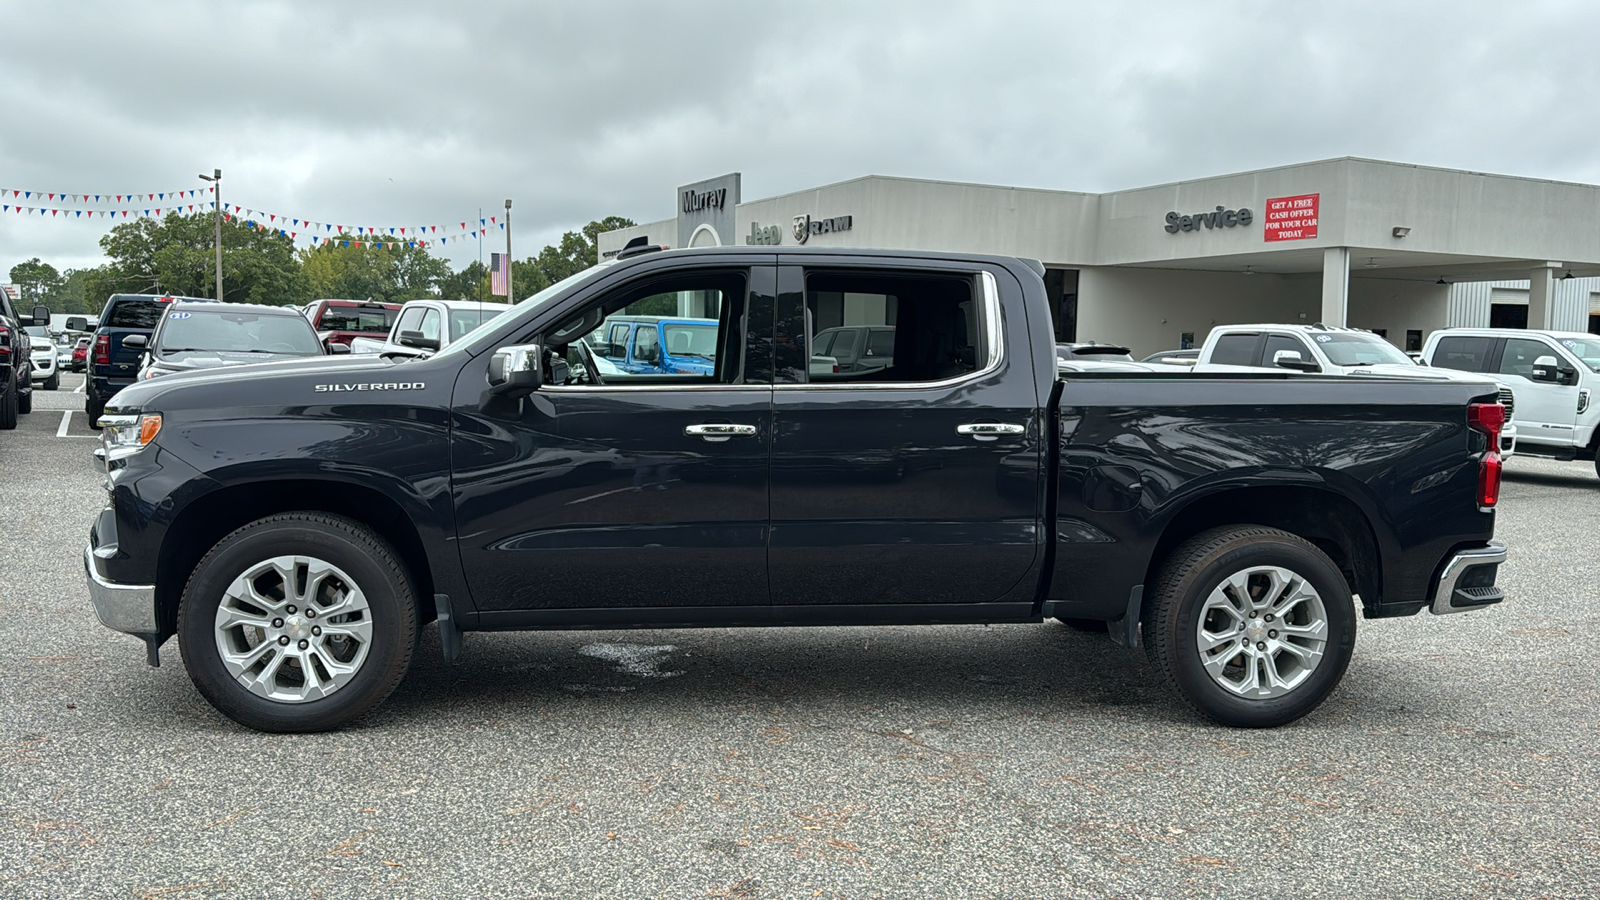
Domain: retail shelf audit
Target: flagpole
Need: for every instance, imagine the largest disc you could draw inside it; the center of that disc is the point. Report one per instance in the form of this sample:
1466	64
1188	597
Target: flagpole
479	230
511	298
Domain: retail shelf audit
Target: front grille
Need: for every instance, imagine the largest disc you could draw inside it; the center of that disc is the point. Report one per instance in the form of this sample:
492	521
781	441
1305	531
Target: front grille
1508	400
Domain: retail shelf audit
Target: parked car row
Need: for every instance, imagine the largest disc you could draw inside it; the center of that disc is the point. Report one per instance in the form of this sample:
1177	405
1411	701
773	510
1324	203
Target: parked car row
17	359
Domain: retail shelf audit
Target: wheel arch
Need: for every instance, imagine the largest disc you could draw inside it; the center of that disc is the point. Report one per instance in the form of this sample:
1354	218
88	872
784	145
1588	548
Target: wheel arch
207	519
1332	522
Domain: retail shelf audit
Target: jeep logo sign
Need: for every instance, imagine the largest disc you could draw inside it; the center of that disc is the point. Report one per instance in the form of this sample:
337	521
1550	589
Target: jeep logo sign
765	236
1218	218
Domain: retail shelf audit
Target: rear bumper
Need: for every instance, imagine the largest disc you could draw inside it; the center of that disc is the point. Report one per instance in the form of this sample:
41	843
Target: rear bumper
1467	580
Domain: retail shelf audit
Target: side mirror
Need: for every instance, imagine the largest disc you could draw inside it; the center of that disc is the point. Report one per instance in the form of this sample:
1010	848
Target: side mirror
41	316
1291	359
415	339
515	371
136	341
338	349
1546	369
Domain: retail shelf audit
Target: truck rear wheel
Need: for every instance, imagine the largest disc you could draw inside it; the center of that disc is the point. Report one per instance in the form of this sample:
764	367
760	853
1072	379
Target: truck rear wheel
1252	626
298	622
93	409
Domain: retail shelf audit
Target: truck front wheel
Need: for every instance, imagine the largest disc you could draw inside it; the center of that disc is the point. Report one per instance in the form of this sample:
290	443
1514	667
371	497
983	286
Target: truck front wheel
1252	626
298	622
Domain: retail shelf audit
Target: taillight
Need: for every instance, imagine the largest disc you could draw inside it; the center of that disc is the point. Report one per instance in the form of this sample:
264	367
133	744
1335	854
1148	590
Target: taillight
1488	418
5	342
102	350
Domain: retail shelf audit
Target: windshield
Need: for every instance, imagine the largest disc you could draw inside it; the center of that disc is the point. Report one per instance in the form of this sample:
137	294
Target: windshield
356	318
1585	349
522	310
38	331
187	331
1347	349
465	321
692	340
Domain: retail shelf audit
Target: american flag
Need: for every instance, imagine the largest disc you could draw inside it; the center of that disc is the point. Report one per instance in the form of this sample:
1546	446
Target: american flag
498	264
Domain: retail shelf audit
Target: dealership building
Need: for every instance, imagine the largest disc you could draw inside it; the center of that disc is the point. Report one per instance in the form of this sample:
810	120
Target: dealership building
1400	249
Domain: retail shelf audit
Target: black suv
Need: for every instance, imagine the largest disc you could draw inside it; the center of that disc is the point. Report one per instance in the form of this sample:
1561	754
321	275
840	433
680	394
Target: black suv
113	366
16	366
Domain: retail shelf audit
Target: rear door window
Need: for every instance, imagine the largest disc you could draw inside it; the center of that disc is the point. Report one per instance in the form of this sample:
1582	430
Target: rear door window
927	326
1467	354
881	342
844	347
1236	350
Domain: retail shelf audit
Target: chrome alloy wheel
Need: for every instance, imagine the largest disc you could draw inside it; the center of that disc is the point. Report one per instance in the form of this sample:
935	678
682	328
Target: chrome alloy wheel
1262	632
293	628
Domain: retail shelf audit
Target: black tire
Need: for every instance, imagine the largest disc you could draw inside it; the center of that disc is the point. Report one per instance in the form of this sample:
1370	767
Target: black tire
1182	587
347	545
25	399
54	381
8	405
93	409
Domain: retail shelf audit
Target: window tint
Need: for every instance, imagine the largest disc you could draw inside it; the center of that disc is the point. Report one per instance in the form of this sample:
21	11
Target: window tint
134	314
1518	357
1235	350
819	347
1276	342
430	325
1469	354
844	345
918	327
357	318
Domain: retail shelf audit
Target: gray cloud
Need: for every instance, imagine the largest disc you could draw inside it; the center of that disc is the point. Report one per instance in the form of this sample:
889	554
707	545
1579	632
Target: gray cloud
419	113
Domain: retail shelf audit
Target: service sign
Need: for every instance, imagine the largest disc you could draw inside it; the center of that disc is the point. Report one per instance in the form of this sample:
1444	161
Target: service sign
1291	218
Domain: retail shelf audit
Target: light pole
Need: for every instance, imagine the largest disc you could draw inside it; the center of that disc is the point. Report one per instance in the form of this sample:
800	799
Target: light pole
216	180
511	297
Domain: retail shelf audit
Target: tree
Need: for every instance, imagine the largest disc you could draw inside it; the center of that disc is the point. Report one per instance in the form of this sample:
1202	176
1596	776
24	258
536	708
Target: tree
177	255
471	283
577	251
36	279
68	296
342	268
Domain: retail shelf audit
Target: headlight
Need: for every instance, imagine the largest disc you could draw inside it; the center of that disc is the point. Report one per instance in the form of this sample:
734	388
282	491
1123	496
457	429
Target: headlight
126	434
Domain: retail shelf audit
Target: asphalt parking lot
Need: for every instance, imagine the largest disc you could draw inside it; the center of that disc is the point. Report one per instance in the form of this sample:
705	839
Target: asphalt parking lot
1461	757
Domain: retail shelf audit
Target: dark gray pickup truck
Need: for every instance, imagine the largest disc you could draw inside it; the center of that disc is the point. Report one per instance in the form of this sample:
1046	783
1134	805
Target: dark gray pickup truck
295	524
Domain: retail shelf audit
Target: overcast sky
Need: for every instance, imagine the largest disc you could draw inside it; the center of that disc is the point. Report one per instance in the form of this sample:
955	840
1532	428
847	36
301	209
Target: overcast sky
405	114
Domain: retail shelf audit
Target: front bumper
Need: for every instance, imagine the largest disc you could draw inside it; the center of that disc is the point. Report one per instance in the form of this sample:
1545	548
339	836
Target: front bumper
129	608
1467	580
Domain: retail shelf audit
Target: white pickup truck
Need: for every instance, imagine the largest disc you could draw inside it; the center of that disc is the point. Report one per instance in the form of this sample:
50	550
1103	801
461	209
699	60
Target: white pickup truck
425	327
1326	350
1555	374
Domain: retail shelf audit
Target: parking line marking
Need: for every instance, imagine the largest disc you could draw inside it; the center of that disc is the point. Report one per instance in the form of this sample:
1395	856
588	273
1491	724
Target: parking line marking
79	388
66	421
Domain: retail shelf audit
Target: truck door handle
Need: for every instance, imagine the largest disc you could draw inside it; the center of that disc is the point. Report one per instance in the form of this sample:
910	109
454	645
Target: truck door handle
719	431
988	431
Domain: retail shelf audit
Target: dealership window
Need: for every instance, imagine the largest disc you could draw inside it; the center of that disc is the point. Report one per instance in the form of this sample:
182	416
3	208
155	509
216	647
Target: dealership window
1468	354
1413	340
882	327
1508	315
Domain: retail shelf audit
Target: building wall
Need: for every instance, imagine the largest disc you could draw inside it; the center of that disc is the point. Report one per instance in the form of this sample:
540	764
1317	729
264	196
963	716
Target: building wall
1398	306
1149	309
1470	300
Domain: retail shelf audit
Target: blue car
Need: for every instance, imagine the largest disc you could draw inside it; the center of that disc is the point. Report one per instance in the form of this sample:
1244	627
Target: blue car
660	345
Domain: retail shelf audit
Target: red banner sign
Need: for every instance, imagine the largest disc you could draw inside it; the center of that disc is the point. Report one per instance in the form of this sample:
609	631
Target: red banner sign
1291	218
